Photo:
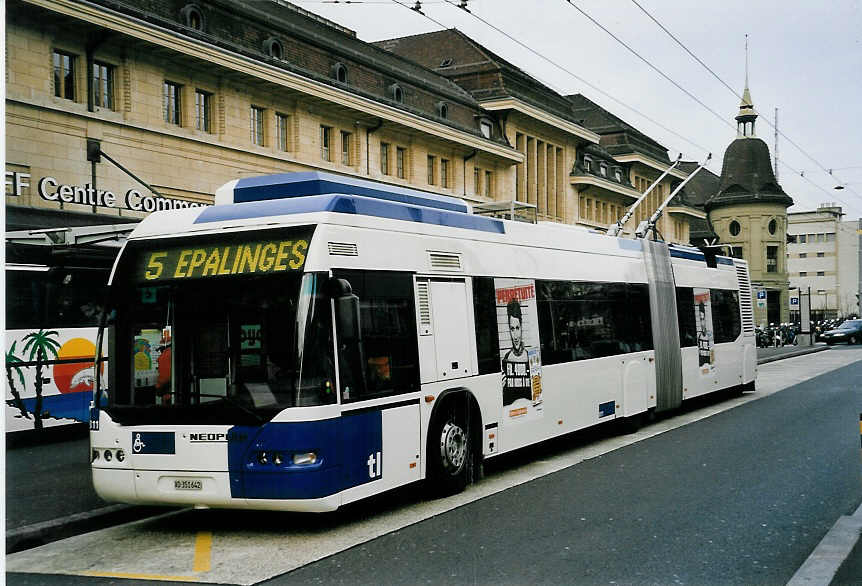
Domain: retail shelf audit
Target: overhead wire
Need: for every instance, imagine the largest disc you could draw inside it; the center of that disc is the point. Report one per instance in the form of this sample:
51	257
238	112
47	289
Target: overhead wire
579	78
735	93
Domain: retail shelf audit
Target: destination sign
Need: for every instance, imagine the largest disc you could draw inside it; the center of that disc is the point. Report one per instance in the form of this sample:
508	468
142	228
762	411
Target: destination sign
246	258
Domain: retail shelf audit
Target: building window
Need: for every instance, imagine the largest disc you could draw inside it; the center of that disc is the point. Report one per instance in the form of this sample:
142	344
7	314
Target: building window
820	273
803	238
444	173
821	254
821	238
103	85
830	237
171	102
603	169
192	17
477	186
325	142
588	165
384	158
771	259
256	126
773	226
432	162
203	110
734	228
489	178
64	75
618	174
339	72
345	148
736	251
272	48
803	255
485	128
399	162
281	131
803	273
443	110
396	93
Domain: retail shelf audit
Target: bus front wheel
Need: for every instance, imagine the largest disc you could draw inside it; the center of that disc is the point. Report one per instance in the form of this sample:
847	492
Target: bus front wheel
449	449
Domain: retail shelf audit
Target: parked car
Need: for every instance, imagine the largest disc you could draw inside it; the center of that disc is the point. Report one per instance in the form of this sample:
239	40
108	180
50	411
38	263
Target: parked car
850	331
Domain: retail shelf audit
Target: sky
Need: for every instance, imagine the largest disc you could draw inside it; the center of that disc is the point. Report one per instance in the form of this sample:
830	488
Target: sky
805	58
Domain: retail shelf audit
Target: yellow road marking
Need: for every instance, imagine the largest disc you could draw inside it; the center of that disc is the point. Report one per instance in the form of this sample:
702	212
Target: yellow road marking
203	546
141	576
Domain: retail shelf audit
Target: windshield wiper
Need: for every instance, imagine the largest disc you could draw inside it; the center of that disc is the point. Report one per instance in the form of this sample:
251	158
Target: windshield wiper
235	403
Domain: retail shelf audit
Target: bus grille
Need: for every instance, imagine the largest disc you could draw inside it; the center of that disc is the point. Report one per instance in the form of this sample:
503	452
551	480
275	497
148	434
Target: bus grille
745	298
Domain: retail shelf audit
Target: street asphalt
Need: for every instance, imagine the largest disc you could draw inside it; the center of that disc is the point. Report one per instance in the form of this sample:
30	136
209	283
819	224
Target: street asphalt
49	494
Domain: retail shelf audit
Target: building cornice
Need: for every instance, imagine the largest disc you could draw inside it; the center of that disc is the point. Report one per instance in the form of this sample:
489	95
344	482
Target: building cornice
652	163
686	211
140	30
604	184
537	114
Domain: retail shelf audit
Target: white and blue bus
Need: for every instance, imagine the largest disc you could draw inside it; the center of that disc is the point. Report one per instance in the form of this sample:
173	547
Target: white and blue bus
313	339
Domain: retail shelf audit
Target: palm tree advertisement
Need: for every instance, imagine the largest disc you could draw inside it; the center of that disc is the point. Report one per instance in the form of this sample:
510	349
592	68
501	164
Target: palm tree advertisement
49	377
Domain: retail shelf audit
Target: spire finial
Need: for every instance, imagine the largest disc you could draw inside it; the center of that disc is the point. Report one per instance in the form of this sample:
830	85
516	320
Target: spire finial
746	60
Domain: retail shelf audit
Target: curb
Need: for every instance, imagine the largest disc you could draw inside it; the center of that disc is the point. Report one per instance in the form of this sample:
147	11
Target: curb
824	562
30	536
792	354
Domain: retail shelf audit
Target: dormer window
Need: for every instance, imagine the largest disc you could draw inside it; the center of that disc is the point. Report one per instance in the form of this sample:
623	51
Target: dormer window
396	93
485	127
446	62
618	174
192	17
588	165
603	169
272	47
443	110
339	72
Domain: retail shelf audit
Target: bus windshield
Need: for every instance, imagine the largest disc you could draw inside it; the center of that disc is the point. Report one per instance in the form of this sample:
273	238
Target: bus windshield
229	351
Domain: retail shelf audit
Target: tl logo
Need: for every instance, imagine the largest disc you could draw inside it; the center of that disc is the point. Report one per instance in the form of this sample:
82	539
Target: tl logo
138	445
375	465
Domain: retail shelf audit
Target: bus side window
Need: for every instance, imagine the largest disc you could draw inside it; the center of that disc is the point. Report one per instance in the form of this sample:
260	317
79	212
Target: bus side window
726	323
685	317
389	347
485	312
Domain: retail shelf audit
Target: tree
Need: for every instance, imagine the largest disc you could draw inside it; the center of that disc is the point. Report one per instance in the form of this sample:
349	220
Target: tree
42	346
12	364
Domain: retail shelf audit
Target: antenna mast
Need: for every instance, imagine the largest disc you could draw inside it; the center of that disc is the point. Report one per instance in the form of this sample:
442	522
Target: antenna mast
776	144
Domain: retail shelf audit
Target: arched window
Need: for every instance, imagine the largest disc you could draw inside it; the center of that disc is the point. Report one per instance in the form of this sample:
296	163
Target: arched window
339	72
773	226
396	93
192	17
443	109
272	47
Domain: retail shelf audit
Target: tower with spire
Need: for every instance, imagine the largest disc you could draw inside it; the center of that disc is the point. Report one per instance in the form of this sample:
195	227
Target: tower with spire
749	213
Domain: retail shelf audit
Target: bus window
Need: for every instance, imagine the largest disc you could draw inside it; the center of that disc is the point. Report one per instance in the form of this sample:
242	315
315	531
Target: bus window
485	312
685	317
389	346
726	322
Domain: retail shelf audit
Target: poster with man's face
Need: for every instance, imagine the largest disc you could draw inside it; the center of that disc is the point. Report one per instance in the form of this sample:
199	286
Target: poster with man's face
518	333
703	325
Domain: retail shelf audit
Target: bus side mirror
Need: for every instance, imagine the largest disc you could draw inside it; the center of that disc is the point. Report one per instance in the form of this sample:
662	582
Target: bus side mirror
346	310
347	317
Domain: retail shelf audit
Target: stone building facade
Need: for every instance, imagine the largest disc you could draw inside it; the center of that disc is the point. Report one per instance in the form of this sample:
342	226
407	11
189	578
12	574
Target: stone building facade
823	259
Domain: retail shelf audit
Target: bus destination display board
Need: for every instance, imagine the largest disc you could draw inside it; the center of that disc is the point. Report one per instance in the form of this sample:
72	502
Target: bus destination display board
260	257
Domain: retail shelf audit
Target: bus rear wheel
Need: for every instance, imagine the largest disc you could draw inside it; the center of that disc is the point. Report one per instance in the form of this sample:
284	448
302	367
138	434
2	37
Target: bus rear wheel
450	449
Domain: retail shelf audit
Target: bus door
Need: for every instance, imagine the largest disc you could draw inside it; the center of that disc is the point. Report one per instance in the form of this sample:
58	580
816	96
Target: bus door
446	338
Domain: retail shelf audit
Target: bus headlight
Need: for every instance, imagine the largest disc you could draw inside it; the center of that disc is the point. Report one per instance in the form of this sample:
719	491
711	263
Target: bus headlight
95	455
262	458
121	455
108	455
304	459
277	459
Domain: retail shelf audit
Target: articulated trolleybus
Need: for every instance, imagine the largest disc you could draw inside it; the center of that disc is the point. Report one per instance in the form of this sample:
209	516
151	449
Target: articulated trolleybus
313	339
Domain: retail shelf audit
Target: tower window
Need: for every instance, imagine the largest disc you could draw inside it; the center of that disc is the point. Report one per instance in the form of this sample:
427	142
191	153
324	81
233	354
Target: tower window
773	226
734	228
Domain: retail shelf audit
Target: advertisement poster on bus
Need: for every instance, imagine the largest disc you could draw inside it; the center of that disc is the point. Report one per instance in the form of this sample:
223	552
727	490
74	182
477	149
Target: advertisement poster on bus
49	377
703	323
521	362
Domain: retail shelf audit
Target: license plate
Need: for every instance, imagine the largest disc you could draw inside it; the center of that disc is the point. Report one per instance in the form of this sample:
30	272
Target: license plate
186	484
